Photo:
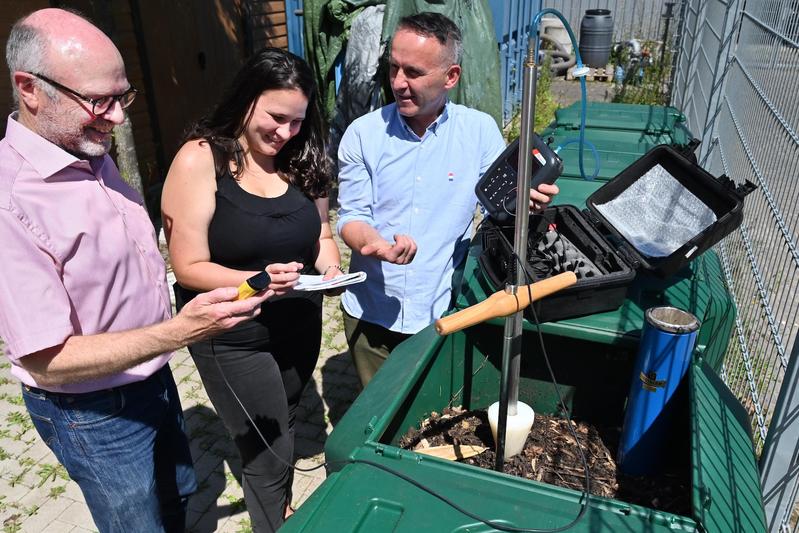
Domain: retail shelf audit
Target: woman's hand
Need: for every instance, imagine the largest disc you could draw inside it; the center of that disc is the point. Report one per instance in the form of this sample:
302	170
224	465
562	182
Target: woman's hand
333	271
284	276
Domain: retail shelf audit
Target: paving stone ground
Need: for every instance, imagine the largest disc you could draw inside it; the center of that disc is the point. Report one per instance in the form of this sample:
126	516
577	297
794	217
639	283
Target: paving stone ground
36	495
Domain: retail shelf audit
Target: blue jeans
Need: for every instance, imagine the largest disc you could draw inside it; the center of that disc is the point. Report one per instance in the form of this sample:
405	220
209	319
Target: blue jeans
125	447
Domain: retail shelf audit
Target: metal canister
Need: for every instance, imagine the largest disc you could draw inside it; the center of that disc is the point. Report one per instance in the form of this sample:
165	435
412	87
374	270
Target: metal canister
664	356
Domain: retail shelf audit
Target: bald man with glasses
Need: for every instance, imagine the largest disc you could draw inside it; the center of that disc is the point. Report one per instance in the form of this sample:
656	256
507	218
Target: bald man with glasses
85	311
100	105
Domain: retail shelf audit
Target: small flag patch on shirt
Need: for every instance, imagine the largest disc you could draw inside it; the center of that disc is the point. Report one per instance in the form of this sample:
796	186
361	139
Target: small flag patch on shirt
450	176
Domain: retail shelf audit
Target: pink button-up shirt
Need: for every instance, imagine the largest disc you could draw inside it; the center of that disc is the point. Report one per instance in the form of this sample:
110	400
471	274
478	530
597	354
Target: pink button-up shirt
79	254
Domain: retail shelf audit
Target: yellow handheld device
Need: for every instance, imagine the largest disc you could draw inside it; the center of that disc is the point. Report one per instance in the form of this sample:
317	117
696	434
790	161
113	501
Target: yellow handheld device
255	284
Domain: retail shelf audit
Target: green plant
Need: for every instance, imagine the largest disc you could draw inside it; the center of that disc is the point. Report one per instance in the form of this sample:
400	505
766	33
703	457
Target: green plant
18	418
17	479
11	524
49	472
13	399
57	491
237	504
545	105
244	526
192	394
21	421
645	81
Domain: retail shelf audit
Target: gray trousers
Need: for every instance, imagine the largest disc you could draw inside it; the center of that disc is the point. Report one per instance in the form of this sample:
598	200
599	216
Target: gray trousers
369	345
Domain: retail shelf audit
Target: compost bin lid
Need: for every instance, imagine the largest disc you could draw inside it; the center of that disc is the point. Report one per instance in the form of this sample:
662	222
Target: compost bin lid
615	116
361	498
725	478
651	242
621	133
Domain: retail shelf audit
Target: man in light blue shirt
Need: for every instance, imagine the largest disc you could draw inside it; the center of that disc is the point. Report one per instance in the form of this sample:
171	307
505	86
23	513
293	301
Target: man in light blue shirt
407	174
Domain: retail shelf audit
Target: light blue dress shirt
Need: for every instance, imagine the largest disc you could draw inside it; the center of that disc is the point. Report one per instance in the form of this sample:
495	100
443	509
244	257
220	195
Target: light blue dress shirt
423	187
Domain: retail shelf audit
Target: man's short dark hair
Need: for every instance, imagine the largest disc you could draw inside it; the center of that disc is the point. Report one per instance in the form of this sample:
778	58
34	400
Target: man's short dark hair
436	25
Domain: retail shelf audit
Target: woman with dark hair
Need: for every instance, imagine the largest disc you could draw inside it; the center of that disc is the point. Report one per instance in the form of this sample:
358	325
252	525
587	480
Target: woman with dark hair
247	192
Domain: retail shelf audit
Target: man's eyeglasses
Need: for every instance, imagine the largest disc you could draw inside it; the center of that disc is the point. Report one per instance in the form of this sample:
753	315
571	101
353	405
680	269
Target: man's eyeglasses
99	105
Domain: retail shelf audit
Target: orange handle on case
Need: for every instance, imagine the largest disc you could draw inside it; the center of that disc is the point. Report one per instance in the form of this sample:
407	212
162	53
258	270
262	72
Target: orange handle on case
502	303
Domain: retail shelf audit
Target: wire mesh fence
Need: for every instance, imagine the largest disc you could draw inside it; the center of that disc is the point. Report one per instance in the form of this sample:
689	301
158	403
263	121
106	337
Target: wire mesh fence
735	81
734	76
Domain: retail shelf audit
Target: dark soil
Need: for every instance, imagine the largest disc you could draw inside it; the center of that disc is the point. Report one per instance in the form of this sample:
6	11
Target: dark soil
550	456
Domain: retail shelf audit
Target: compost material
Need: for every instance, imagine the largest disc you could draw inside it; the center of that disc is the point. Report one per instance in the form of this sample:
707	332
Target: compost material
551	456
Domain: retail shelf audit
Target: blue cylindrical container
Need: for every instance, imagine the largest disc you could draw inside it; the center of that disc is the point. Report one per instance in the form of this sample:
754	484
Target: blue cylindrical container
663	358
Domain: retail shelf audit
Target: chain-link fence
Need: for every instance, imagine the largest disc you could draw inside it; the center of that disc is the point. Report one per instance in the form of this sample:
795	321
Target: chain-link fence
736	81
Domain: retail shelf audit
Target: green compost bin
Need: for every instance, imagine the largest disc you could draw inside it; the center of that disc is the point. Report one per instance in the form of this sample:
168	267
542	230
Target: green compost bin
593	357
370	489
621	133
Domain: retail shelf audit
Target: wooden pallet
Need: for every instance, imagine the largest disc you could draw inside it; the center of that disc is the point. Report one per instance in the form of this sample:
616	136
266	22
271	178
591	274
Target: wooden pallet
595	74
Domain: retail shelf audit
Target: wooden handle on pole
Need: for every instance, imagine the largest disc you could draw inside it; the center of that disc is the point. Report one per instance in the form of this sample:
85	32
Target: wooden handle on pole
502	303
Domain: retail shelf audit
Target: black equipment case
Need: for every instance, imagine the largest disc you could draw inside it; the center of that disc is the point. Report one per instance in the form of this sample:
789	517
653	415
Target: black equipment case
617	259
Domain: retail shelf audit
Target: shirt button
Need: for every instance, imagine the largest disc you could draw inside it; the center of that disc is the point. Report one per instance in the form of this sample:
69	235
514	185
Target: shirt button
418	178
415	209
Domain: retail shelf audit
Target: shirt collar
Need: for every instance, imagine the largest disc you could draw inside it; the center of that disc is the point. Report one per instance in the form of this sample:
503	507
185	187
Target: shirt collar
433	128
45	157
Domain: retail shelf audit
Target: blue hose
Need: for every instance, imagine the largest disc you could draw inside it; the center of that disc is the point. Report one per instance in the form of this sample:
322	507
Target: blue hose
594	152
584	98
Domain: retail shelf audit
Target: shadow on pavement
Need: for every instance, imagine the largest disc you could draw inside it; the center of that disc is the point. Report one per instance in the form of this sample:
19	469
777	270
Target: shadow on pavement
340	385
211	448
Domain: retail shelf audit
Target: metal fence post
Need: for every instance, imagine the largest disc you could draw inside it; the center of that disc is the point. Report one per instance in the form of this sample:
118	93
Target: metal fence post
779	469
688	55
731	15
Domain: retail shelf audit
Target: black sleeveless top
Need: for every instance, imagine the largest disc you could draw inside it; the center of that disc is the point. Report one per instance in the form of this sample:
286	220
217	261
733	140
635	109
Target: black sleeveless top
249	232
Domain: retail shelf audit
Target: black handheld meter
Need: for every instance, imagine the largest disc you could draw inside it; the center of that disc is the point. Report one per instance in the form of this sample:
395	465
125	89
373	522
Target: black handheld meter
496	189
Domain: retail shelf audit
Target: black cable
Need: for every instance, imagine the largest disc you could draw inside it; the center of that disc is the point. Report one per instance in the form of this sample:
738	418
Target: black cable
503	202
587	489
460	509
489	523
254	425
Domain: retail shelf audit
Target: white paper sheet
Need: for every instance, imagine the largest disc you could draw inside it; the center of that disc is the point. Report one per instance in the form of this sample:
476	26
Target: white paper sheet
316	283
